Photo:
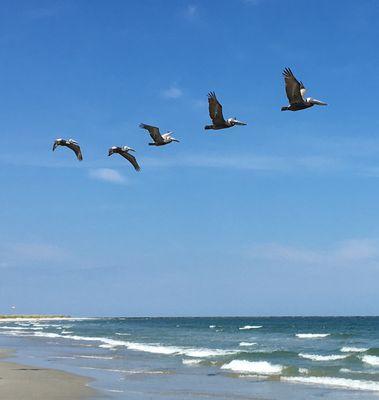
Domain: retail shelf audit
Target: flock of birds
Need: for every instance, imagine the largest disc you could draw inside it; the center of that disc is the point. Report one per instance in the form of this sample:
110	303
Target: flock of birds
295	91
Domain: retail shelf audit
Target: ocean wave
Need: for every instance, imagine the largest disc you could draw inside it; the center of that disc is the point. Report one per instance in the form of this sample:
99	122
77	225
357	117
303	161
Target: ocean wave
304	371
255	367
212	326
248	327
189	361
122	334
347	349
372	360
351	384
317	357
312	335
247	344
96	357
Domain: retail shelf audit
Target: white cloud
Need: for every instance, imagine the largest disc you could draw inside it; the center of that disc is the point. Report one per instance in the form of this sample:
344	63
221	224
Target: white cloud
191	11
173	92
30	253
347	252
107	175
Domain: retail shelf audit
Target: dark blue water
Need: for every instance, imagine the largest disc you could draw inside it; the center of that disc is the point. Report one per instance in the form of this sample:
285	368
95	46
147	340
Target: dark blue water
202	358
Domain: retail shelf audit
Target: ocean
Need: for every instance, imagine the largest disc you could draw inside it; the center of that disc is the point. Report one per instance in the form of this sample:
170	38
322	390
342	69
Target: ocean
208	358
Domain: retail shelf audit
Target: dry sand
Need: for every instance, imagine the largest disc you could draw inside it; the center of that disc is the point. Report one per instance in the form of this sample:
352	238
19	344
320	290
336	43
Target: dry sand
22	382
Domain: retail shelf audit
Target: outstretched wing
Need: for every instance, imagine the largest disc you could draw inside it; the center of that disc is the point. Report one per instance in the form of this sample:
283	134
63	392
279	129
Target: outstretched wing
293	87
76	149
154	132
215	109
131	159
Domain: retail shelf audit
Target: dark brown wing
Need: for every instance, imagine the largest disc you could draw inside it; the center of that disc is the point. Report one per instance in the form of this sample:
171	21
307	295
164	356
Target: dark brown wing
154	132
131	159
76	149
215	109
293	87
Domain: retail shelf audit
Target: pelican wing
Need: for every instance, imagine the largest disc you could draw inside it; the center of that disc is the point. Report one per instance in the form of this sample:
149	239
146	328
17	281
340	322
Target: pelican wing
215	109
76	149
154	133
131	159
293	87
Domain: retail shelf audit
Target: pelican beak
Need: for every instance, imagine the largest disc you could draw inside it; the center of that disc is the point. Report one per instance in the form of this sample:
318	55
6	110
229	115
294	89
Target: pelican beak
131	150
175	140
236	122
55	146
110	152
319	103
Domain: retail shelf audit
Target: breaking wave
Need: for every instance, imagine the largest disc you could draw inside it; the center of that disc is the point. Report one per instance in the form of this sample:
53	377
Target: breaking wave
312	335
372	360
351	384
248	327
317	357
255	367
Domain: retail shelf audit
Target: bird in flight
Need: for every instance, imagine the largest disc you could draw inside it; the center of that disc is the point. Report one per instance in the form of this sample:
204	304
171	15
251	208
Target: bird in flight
215	112
124	151
296	93
71	144
158	139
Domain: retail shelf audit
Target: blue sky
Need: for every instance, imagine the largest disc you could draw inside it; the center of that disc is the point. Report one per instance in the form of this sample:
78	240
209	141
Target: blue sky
276	218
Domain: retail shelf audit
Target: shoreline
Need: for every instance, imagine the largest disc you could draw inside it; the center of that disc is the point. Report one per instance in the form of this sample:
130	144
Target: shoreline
19	381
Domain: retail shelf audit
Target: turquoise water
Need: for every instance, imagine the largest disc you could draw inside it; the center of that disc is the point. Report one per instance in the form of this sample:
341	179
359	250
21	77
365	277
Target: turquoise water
202	358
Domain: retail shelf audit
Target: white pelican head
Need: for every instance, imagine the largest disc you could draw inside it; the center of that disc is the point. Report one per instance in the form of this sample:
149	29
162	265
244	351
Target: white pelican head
234	121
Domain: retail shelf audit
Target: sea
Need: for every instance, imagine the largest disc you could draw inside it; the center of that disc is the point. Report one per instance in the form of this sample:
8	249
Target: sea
208	358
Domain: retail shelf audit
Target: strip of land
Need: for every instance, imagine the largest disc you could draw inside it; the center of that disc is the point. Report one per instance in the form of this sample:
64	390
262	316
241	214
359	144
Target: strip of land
25	382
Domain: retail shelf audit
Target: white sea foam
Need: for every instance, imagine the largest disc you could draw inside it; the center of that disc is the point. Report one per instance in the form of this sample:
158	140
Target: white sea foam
303	371
343	383
189	361
96	357
248	327
212	326
317	357
122	334
312	335
47	334
67	332
247	344
255	367
372	360
13	328
347	349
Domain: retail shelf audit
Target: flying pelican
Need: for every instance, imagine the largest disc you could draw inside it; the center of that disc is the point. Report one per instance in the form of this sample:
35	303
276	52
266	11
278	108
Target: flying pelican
215	112
159	140
71	144
295	92
124	151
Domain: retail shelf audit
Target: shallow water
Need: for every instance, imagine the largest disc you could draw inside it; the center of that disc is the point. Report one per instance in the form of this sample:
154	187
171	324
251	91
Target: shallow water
202	358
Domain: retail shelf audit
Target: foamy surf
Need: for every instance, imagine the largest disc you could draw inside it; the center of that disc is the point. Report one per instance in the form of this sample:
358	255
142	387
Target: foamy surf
343	383
347	349
317	357
247	344
312	335
190	361
248	327
253	367
371	360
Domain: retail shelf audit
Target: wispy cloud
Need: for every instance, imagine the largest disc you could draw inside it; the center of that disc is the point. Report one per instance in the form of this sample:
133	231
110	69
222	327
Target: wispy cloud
173	92
45	12
191	11
12	254
108	175
348	252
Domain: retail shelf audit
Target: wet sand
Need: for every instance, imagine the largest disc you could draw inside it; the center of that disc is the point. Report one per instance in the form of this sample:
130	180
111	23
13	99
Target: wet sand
19	382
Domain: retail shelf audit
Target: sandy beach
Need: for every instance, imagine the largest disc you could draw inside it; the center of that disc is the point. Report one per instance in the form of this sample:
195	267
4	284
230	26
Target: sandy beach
27	382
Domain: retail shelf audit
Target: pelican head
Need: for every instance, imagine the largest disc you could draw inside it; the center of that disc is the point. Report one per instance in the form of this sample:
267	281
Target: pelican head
73	141
234	121
127	148
317	102
111	150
